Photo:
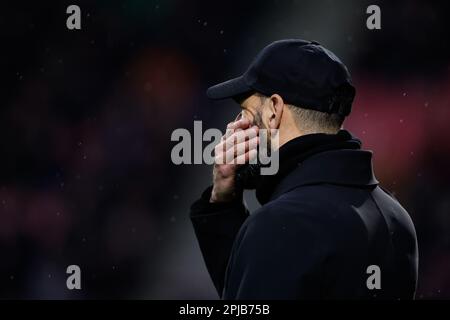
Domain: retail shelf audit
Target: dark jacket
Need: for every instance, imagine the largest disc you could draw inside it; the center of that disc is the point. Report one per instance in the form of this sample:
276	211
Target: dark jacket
323	222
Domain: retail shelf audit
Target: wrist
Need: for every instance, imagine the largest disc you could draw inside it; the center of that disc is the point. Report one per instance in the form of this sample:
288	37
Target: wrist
221	196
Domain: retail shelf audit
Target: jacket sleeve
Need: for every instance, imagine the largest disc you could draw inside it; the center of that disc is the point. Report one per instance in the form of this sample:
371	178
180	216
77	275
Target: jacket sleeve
216	226
276	256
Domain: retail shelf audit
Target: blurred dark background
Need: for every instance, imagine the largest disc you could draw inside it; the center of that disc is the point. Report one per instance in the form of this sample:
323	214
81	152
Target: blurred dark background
86	119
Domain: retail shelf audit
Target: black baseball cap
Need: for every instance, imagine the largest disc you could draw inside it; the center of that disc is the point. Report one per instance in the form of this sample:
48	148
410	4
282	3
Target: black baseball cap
303	73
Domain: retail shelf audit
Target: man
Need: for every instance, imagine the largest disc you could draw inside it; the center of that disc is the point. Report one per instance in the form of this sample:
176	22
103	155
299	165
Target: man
326	229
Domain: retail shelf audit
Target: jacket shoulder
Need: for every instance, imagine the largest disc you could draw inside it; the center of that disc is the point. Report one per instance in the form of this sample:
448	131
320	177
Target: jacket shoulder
287	213
305	202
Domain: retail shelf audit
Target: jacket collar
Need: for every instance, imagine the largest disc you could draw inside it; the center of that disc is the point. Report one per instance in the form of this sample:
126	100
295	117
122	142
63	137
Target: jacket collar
339	167
318	158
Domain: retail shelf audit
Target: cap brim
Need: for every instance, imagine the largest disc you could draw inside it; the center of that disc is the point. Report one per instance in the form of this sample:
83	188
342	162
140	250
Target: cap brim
228	89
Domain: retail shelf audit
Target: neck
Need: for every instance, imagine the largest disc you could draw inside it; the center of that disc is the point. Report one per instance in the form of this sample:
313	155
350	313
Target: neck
293	132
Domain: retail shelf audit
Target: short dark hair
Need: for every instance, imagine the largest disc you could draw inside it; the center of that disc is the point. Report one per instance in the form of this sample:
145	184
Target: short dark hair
316	121
313	121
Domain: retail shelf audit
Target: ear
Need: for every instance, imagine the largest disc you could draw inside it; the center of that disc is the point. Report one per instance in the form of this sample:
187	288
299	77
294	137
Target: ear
276	107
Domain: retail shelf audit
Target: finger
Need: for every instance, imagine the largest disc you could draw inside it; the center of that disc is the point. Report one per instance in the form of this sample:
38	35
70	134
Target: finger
236	125
219	153
247	157
240	136
243	148
225	150
243	123
237	154
229	130
239	150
